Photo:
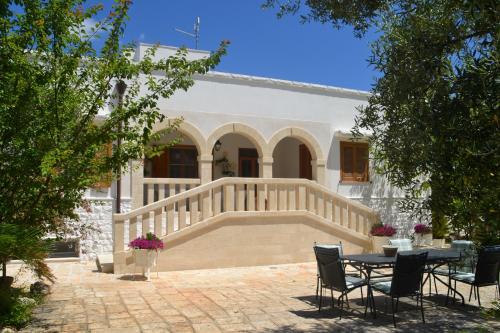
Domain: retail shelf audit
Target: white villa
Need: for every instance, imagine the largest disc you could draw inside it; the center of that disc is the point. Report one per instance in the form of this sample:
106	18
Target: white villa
265	168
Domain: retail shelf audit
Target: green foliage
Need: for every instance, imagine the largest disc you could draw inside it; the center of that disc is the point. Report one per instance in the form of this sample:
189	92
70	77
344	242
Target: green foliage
434	112
55	90
16	307
24	243
440	228
494	311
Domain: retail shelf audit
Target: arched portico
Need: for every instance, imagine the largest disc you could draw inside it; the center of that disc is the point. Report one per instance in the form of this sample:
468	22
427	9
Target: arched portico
248	133
187	129
317	157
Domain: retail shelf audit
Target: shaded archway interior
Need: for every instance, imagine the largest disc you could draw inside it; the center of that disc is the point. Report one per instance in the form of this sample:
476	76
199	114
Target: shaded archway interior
234	155
292	159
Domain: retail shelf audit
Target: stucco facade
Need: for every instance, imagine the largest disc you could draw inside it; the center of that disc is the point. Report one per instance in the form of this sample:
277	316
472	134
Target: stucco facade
272	116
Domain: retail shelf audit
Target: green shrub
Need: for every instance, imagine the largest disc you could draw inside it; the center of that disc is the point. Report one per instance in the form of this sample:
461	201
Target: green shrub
16	307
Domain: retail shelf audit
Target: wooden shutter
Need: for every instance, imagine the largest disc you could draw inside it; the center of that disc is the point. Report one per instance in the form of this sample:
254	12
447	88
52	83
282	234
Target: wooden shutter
354	161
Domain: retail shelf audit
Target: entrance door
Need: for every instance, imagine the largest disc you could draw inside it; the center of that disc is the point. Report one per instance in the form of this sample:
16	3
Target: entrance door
305	167
248	162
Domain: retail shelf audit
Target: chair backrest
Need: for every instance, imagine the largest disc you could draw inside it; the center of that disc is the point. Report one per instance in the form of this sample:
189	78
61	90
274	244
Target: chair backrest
402	244
331	246
466	249
488	265
408	274
331	270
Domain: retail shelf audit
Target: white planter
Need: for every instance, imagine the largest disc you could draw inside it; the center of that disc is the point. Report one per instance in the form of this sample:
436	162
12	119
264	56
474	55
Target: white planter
438	242
423	239
378	242
146	259
427	239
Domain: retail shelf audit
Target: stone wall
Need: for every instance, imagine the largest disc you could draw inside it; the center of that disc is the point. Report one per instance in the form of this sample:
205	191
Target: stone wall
390	214
99	217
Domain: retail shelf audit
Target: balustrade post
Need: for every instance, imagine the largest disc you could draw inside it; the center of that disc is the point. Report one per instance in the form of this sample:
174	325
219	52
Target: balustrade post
302	197
158	213
137	184
272	195
132	228
240	197
206	205
229	198
118	235
250	197
193	210
261	197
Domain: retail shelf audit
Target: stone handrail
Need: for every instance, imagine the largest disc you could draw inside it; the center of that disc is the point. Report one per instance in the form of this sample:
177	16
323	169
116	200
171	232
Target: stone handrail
233	194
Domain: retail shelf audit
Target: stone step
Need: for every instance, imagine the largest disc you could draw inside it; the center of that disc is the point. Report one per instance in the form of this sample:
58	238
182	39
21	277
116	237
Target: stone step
104	263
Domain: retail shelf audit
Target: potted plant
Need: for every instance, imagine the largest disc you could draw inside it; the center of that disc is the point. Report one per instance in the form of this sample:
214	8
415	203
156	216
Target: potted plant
439	231
146	252
227	166
380	235
423	234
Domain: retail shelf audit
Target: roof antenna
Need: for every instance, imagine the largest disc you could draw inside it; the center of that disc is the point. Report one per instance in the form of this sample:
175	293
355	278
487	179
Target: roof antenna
196	29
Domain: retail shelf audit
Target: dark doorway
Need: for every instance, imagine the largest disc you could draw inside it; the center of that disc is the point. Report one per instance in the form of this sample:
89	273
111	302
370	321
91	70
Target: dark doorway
305	167
248	162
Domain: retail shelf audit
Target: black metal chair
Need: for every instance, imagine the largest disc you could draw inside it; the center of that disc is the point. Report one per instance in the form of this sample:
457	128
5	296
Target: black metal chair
332	276
465	265
326	246
358	273
406	281
487	269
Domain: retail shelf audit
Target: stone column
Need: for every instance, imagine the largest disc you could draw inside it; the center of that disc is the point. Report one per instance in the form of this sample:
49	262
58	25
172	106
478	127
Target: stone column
137	184
266	167
318	171
205	168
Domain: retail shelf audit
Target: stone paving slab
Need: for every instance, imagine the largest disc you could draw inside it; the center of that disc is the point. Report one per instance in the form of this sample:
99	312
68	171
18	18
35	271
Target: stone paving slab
252	299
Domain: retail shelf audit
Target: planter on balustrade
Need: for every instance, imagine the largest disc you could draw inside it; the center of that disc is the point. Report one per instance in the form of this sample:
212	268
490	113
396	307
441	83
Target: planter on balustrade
146	250
423	235
438	242
378	242
380	236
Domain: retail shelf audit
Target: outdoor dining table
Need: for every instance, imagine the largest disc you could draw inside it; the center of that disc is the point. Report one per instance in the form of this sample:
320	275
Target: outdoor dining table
435	258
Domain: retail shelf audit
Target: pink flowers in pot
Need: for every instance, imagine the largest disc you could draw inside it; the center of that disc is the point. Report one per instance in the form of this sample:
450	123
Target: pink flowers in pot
148	242
422	229
382	230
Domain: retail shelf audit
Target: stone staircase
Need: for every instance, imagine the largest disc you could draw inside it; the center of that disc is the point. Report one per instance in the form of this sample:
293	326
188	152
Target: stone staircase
244	221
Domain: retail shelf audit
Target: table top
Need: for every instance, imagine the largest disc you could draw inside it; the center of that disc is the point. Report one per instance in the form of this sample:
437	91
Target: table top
433	256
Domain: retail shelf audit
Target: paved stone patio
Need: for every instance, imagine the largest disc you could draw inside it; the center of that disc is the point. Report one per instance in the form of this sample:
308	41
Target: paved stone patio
253	299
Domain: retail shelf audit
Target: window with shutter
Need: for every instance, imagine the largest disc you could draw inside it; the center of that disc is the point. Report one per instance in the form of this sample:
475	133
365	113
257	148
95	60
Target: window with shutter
354	162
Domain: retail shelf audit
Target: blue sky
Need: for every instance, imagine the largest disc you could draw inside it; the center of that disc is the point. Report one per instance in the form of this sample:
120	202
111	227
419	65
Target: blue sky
261	44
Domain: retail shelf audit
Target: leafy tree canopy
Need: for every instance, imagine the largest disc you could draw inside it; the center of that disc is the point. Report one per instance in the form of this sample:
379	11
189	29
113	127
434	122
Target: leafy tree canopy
434	113
58	104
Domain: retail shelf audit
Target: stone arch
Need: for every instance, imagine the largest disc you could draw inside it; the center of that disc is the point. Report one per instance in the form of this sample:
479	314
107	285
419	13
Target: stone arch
187	129
317	157
298	133
250	133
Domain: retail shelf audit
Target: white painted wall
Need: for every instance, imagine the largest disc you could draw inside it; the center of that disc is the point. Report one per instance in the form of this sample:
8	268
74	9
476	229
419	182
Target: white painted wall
286	162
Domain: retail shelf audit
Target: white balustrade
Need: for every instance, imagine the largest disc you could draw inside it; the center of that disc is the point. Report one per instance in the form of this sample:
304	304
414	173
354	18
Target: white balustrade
189	203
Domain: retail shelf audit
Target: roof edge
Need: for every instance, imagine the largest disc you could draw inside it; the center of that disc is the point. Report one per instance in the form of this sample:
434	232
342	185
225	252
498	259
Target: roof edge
287	84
